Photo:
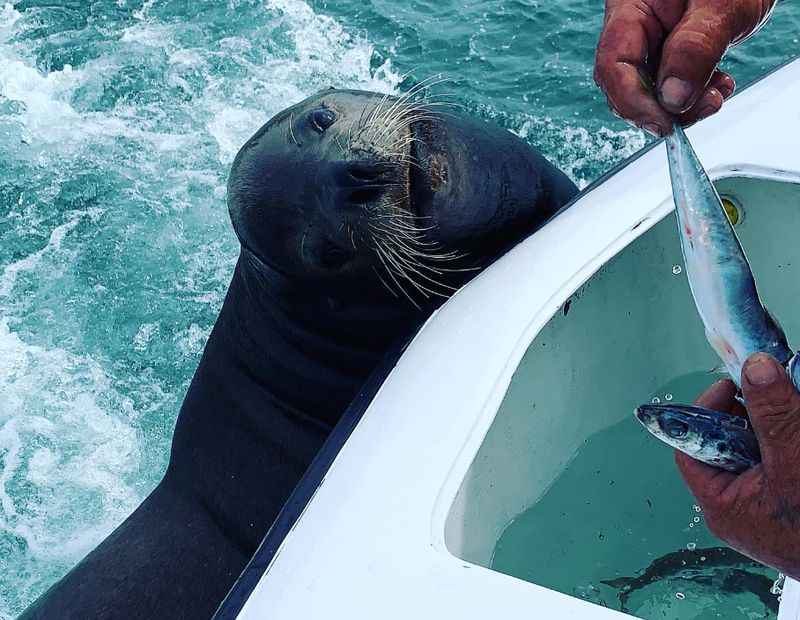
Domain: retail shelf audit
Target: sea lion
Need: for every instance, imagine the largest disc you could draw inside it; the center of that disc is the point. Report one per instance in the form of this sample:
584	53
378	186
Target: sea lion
357	215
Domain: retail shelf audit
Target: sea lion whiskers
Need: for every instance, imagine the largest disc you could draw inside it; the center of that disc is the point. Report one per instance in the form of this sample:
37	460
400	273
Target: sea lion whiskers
377	110
400	222
402	266
408	258
407	233
381	114
410	265
423	265
423	86
394	122
338	143
406	115
382	281
291	129
417	239
397	255
383	260
404	239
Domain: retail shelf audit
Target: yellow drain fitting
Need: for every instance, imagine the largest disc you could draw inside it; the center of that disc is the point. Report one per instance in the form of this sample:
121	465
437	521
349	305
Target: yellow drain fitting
732	210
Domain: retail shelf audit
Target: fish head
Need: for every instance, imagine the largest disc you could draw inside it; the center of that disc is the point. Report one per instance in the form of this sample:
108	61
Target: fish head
715	438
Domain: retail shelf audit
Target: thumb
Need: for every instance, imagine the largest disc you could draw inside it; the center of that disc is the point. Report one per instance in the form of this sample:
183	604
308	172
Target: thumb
774	407
691	54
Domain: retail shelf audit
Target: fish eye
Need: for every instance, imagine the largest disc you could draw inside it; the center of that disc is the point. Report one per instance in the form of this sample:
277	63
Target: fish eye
321	119
676	429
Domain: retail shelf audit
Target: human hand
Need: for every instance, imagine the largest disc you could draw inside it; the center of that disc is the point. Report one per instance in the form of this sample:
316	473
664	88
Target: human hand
756	512
658	58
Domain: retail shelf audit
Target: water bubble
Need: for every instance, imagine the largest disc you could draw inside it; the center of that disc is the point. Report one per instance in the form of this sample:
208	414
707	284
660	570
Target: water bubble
697	508
696	519
668	397
677	270
655	400
691	546
691	525
680	596
702	558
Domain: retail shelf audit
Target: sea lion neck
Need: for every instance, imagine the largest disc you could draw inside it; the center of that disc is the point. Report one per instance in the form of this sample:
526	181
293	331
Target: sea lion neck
282	364
288	335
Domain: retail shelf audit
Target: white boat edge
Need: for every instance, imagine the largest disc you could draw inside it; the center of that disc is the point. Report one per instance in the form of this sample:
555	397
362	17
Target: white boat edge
371	542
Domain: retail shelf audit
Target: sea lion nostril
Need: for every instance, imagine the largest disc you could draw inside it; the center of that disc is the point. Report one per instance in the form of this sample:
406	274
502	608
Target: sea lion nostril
365	172
366	195
333	257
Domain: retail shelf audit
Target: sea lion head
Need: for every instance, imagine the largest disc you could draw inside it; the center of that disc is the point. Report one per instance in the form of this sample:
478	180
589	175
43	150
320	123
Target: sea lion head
357	189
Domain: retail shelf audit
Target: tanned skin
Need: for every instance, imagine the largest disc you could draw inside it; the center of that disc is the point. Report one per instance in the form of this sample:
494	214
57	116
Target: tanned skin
758	511
658	59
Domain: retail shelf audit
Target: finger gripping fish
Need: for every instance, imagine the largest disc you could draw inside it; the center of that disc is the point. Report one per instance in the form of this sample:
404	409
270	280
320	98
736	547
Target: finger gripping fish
736	322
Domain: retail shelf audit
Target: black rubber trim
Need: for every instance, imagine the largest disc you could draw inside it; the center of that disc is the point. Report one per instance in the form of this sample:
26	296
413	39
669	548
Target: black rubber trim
241	590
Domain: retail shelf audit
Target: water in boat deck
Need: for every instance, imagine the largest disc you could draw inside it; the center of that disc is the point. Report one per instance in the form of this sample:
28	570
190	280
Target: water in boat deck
119	120
633	518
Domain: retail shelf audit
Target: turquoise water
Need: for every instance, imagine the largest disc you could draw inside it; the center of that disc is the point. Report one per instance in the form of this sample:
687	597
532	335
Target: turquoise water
629	511
119	120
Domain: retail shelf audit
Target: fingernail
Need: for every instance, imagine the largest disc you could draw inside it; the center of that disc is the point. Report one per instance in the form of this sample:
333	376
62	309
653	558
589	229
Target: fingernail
761	370
726	90
653	129
675	93
706	111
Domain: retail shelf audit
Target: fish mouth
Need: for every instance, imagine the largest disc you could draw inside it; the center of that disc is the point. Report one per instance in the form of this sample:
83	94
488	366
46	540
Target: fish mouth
643	415
668	421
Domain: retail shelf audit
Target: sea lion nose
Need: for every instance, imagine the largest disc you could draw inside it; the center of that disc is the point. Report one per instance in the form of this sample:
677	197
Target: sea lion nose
361	183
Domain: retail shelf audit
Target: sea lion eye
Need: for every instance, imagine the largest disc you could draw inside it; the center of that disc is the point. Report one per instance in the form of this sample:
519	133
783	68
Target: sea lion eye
321	119
675	428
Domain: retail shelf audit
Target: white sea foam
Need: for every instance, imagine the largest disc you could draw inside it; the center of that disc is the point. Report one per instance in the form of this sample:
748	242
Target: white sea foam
30	262
64	454
321	54
578	149
144	335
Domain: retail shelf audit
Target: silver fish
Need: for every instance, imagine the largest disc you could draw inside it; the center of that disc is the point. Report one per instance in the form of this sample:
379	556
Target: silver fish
724	290
715	438
736	322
